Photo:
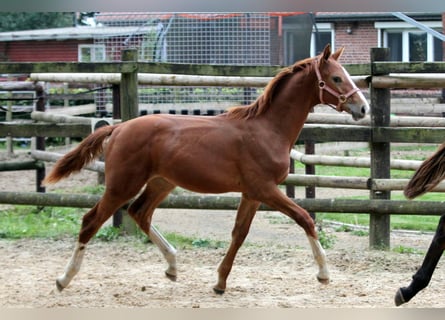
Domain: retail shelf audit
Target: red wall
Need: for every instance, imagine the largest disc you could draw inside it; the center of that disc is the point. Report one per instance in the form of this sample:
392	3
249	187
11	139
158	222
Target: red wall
41	51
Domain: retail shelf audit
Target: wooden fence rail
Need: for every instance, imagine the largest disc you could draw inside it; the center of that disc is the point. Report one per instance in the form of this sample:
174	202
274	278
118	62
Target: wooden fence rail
312	132
380	207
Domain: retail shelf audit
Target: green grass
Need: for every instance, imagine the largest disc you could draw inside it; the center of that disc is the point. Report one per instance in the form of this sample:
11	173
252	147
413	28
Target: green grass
56	223
409	250
423	223
398	222
30	222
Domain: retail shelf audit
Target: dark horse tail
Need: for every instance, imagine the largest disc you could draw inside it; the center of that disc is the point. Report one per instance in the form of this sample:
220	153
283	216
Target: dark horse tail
89	149
428	175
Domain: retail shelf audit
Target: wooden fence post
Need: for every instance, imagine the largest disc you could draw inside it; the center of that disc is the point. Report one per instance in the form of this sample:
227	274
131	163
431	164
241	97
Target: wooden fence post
9	140
379	224
117	217
129	86
129	109
40	141
309	148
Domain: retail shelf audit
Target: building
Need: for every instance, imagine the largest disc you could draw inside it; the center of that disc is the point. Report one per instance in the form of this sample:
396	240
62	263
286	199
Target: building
232	38
271	38
360	31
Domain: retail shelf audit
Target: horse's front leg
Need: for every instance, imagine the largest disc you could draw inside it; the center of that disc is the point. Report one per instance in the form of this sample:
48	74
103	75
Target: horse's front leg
244	217
279	201
423	276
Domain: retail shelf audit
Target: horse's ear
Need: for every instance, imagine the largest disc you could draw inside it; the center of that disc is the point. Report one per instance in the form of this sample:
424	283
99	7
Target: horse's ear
338	53
326	52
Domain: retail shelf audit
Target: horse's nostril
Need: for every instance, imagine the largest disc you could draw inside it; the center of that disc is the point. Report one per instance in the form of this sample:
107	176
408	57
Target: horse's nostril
363	109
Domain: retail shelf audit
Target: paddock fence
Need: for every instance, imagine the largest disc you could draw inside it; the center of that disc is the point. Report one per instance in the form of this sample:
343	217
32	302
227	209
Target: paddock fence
379	130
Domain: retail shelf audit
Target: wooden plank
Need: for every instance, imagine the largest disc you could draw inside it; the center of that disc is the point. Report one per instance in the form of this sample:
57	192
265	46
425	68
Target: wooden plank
231	203
162	68
58	118
27	130
379	68
358	69
143	67
319	133
17	86
310	132
417	135
21	165
409	81
74	110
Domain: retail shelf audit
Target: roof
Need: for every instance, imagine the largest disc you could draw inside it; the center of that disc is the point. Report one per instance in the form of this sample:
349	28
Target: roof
80	32
110	17
373	16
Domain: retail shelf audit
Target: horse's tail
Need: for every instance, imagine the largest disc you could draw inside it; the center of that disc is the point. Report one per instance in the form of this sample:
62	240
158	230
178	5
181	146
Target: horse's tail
89	149
428	175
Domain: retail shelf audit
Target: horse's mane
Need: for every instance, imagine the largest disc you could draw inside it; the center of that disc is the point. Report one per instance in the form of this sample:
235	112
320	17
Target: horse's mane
264	101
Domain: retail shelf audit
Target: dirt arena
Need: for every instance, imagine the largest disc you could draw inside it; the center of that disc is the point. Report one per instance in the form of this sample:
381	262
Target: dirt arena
274	268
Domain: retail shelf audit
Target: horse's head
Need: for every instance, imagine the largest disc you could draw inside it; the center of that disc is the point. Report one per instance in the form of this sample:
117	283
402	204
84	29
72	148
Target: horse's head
336	86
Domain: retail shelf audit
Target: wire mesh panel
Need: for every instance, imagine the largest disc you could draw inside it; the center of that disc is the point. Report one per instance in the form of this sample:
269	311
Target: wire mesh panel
196	38
230	38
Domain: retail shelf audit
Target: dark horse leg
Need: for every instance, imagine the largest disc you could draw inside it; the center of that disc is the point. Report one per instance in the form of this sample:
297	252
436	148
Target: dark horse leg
141	210
423	276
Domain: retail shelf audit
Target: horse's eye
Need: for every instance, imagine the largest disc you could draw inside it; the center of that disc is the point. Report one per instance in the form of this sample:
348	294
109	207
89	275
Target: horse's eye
336	80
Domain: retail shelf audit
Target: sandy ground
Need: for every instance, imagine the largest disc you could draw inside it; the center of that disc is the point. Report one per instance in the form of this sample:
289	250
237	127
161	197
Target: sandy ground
274	268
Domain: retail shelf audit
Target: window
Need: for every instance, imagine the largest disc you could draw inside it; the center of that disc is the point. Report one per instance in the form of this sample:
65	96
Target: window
321	36
91	53
438	50
297	32
407	43
394	41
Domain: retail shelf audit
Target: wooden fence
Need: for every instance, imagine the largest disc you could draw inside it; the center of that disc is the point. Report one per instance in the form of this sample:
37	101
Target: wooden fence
380	131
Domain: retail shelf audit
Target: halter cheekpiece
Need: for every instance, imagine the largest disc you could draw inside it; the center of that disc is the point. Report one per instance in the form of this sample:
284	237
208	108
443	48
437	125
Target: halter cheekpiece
342	98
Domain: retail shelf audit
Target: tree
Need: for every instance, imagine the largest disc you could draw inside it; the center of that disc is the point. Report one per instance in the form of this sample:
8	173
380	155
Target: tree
14	21
82	18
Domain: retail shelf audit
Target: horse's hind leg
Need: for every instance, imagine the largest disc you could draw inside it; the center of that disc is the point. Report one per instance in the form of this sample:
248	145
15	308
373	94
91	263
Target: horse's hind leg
141	210
91	223
423	276
244	217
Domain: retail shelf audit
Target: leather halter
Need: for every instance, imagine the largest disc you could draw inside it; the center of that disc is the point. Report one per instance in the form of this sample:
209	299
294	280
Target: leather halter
342	98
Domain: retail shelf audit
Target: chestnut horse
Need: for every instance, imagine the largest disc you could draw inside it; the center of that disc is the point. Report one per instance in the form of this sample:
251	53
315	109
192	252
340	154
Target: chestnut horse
426	177
248	147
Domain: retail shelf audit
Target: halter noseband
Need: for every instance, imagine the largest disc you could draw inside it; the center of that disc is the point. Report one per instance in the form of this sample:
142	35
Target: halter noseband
342	98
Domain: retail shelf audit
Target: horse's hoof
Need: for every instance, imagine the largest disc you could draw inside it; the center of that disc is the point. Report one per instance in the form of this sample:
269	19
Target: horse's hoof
323	280
399	299
218	290
59	286
170	276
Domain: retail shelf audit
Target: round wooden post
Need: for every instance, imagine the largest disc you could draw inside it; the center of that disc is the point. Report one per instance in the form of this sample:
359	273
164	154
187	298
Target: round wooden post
379	224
